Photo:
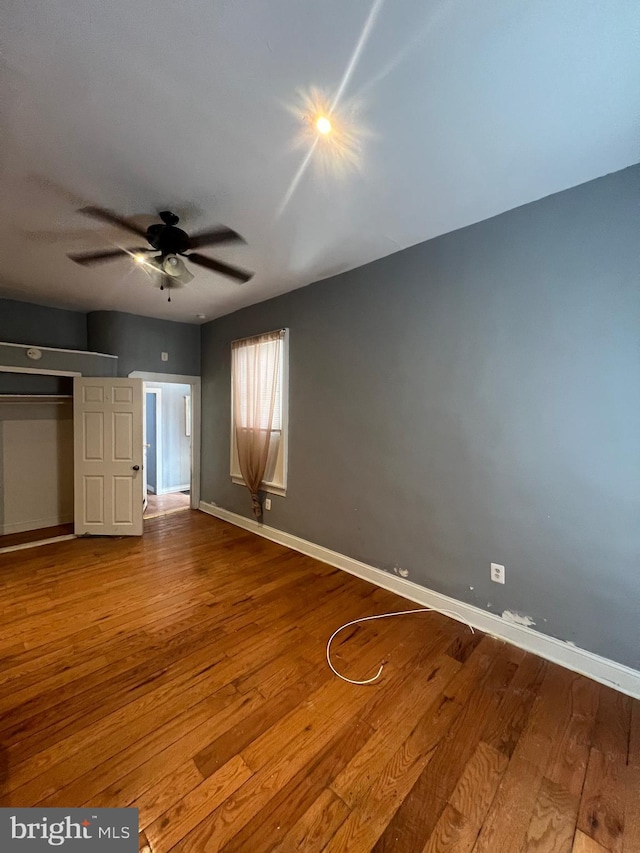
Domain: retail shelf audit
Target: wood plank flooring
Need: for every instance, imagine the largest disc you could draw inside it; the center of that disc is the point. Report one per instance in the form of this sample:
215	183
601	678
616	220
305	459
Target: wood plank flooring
163	504
184	674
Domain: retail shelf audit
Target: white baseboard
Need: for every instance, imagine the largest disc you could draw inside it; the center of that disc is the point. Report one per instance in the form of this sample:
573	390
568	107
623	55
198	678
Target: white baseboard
600	669
37	544
36	524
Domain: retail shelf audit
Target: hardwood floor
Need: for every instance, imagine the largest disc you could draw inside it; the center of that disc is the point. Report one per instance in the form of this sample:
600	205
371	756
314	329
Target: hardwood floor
163	504
184	674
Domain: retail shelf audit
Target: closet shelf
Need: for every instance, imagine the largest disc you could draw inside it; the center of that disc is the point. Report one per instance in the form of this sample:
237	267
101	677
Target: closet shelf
35	398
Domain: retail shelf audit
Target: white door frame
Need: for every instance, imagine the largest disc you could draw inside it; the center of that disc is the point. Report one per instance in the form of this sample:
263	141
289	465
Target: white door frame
195	383
158	395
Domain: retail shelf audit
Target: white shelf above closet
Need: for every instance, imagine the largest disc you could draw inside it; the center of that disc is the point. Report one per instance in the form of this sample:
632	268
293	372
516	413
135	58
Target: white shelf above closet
35	398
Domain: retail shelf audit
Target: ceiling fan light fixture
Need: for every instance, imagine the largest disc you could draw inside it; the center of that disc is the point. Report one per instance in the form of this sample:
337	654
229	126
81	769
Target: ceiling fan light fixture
175	267
155	263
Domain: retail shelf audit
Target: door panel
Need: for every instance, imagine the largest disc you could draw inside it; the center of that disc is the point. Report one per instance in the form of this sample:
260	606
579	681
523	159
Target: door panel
123	500
94	500
93	430
123	395
108	456
93	394
122	425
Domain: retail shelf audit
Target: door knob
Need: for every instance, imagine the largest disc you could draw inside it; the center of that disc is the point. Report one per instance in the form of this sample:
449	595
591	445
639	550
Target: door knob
136	467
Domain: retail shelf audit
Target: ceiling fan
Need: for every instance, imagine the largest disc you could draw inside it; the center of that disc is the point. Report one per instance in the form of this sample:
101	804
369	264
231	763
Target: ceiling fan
171	242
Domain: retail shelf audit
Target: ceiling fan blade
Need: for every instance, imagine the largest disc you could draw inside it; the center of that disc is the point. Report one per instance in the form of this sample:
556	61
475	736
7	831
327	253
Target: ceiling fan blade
214	236
113	219
89	258
218	266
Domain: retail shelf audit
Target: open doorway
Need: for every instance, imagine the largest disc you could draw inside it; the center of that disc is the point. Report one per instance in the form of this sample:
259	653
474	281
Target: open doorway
168	428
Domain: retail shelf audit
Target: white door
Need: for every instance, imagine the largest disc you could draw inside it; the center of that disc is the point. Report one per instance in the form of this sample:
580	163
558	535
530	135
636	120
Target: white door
108	479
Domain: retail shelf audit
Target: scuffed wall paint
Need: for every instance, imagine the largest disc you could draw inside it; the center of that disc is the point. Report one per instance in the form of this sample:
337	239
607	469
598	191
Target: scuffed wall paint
517	618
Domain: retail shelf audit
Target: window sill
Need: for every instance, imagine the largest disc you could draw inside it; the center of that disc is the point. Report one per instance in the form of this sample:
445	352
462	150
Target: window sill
270	488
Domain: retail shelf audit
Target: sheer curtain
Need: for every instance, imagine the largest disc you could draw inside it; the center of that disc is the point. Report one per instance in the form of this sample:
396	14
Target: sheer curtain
257	409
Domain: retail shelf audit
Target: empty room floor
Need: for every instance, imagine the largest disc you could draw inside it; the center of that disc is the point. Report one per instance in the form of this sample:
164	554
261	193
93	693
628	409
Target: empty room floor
163	504
184	674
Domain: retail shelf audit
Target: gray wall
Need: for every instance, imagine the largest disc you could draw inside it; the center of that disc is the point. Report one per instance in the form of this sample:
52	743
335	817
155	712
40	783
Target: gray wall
27	383
24	323
474	398
139	342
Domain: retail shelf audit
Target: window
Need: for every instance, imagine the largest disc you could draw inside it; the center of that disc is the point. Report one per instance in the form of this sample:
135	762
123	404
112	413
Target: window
259	373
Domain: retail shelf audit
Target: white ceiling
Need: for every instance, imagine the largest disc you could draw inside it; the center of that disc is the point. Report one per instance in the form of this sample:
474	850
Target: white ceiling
453	111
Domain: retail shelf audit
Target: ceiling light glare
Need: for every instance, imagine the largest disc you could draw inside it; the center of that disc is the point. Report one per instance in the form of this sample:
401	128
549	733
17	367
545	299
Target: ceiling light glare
139	258
323	125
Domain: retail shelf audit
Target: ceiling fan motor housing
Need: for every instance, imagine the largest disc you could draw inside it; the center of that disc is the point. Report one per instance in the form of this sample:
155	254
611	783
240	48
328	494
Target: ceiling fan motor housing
168	239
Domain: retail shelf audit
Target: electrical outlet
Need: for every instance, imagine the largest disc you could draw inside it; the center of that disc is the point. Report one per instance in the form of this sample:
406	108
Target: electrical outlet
267	503
497	573
164	356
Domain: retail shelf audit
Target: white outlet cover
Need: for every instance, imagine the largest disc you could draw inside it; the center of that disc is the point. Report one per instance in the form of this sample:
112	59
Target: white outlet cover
164	356
497	573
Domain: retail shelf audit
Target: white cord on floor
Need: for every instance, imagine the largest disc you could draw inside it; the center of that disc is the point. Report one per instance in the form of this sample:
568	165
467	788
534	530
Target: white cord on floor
383	616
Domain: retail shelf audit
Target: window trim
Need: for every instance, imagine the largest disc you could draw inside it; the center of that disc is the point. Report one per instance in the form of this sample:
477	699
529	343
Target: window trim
270	488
